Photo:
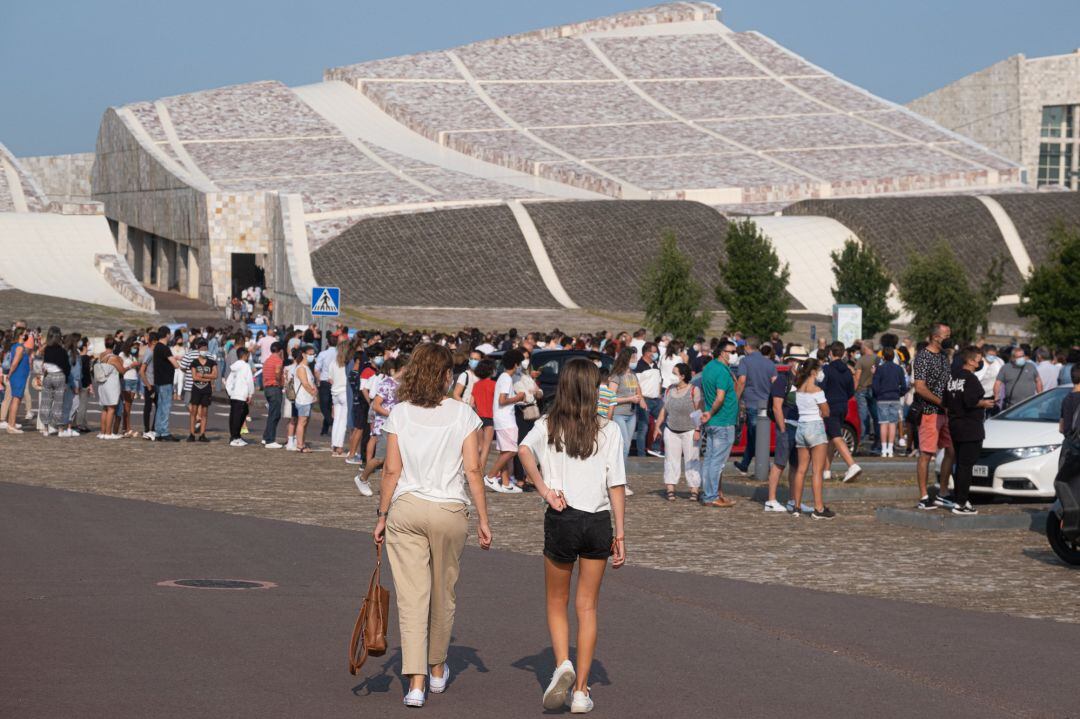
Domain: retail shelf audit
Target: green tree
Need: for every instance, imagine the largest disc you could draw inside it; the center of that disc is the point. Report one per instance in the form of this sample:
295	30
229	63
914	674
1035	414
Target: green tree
1051	294
935	288
990	290
753	285
671	297
861	280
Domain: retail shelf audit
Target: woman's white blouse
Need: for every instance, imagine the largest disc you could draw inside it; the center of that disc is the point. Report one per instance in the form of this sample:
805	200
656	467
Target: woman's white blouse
583	482
430	441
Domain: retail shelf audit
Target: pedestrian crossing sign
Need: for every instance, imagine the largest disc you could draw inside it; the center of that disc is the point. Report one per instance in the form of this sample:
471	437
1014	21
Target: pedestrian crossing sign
325	301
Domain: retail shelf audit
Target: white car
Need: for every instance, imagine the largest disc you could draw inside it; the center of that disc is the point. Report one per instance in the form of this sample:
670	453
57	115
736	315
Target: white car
1020	453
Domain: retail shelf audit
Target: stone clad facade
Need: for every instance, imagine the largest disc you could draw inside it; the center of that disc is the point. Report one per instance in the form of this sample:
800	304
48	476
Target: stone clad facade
1001	106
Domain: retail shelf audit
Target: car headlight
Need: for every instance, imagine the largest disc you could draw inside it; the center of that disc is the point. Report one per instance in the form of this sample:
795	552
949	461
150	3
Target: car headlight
1029	452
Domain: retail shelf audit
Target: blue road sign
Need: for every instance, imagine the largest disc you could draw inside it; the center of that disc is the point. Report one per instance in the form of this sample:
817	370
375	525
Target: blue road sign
325	301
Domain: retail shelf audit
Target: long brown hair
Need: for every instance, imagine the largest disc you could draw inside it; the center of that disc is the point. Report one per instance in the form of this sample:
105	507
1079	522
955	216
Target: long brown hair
622	362
424	381
808	369
572	421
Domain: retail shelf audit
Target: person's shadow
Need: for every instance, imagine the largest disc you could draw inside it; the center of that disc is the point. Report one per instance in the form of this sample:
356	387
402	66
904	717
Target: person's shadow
542	666
458	658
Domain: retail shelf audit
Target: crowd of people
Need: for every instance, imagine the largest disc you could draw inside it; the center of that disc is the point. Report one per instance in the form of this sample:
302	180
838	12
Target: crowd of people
687	403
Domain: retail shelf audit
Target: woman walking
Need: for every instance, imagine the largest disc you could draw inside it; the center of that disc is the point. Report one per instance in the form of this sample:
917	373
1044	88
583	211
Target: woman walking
810	437
423	512
680	417
583	481
339	399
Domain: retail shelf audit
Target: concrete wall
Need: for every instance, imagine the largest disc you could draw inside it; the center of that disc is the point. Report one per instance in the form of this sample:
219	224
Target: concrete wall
984	106
1001	106
63	178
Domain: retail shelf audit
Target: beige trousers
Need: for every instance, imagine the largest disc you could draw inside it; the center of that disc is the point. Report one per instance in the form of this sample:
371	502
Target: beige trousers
424	541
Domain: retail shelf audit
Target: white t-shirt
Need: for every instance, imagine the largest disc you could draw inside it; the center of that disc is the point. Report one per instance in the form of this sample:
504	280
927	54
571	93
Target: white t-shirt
430	441
503	417
583	482
808	405
667	370
468	380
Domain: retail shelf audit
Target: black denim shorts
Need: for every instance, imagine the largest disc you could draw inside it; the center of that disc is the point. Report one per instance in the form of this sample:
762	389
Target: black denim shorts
572	533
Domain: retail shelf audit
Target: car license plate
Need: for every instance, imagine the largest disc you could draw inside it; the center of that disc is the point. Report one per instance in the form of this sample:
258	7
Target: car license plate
980	470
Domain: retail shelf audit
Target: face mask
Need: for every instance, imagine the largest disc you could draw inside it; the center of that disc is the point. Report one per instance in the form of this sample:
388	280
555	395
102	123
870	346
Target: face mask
473	363
134	352
203	353
820	376
378	361
858	355
310	359
524	364
1021	361
947	343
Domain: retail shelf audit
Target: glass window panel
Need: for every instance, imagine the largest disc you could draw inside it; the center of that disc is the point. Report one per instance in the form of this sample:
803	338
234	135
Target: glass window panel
1052	119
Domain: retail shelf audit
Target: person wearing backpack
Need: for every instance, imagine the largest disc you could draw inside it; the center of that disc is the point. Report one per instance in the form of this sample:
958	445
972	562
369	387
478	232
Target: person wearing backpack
783	410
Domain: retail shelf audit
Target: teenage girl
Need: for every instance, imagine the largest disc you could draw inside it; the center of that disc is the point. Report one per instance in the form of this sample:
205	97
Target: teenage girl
583	483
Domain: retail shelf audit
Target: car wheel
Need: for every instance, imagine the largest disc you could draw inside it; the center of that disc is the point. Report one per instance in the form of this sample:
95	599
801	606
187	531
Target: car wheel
1067	550
848	433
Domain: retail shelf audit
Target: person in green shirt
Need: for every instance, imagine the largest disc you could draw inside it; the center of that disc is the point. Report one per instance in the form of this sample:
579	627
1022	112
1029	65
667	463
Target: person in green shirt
721	410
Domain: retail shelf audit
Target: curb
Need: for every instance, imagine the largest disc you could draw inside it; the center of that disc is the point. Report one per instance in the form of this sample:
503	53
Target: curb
759	491
941	521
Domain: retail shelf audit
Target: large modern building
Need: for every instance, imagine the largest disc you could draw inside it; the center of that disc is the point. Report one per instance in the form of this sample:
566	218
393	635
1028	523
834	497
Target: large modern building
1025	109
539	170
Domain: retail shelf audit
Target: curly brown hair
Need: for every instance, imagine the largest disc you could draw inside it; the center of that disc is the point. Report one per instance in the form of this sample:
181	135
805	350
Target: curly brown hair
425	378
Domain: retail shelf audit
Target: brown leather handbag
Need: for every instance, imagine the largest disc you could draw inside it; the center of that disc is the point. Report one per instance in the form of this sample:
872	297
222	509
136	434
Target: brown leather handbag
369	634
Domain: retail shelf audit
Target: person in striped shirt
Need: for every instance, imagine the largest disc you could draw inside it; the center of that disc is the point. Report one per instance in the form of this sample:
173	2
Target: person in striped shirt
605	401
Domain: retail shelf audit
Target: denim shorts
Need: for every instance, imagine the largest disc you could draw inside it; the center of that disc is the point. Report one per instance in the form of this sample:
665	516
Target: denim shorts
303	410
810	434
888	412
131	385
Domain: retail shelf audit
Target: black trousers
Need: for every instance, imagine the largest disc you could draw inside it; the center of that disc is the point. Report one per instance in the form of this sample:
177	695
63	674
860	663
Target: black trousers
273	413
326	406
967	455
149	409
238	412
524	426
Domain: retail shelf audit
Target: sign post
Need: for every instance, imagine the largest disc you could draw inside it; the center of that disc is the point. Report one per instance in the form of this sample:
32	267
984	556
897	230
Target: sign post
325	302
847	323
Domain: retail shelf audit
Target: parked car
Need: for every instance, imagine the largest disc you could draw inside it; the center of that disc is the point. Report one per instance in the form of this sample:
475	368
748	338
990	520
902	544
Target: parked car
1021	449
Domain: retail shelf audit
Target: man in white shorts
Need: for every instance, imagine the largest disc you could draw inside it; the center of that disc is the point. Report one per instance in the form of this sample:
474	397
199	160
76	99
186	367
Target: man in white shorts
506	431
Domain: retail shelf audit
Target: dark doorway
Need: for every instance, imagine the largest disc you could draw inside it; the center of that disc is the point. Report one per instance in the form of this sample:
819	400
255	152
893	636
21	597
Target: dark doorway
151	243
245	273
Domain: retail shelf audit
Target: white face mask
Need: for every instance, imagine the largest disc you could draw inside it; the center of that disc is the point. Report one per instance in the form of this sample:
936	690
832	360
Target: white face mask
525	364
820	376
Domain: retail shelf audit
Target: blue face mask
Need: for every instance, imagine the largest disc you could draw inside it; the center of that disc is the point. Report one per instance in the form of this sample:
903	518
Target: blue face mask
1021	361
473	363
378	361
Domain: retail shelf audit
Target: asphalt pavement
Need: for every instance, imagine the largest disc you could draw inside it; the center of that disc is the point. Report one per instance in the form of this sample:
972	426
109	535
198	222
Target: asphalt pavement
86	630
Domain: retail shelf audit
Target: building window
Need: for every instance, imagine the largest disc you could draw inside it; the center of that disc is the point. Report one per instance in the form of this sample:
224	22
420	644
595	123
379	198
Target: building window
1058	151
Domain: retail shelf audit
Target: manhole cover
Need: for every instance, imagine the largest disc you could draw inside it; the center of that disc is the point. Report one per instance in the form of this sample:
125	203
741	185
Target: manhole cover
217	584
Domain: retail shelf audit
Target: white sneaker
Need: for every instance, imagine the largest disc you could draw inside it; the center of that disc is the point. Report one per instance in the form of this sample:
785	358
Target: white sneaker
364	487
113	436
559	687
493	483
774	506
353	459
3	425
629	492
827	474
437	685
238	443
272	445
415	698
151	435
50	430
805	508
513	489
582	703
291	447
852	472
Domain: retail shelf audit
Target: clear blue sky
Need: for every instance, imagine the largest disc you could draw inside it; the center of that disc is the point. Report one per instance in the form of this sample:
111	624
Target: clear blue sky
64	62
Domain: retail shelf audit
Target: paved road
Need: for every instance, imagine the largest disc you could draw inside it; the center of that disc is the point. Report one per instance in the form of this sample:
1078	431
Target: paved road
86	631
